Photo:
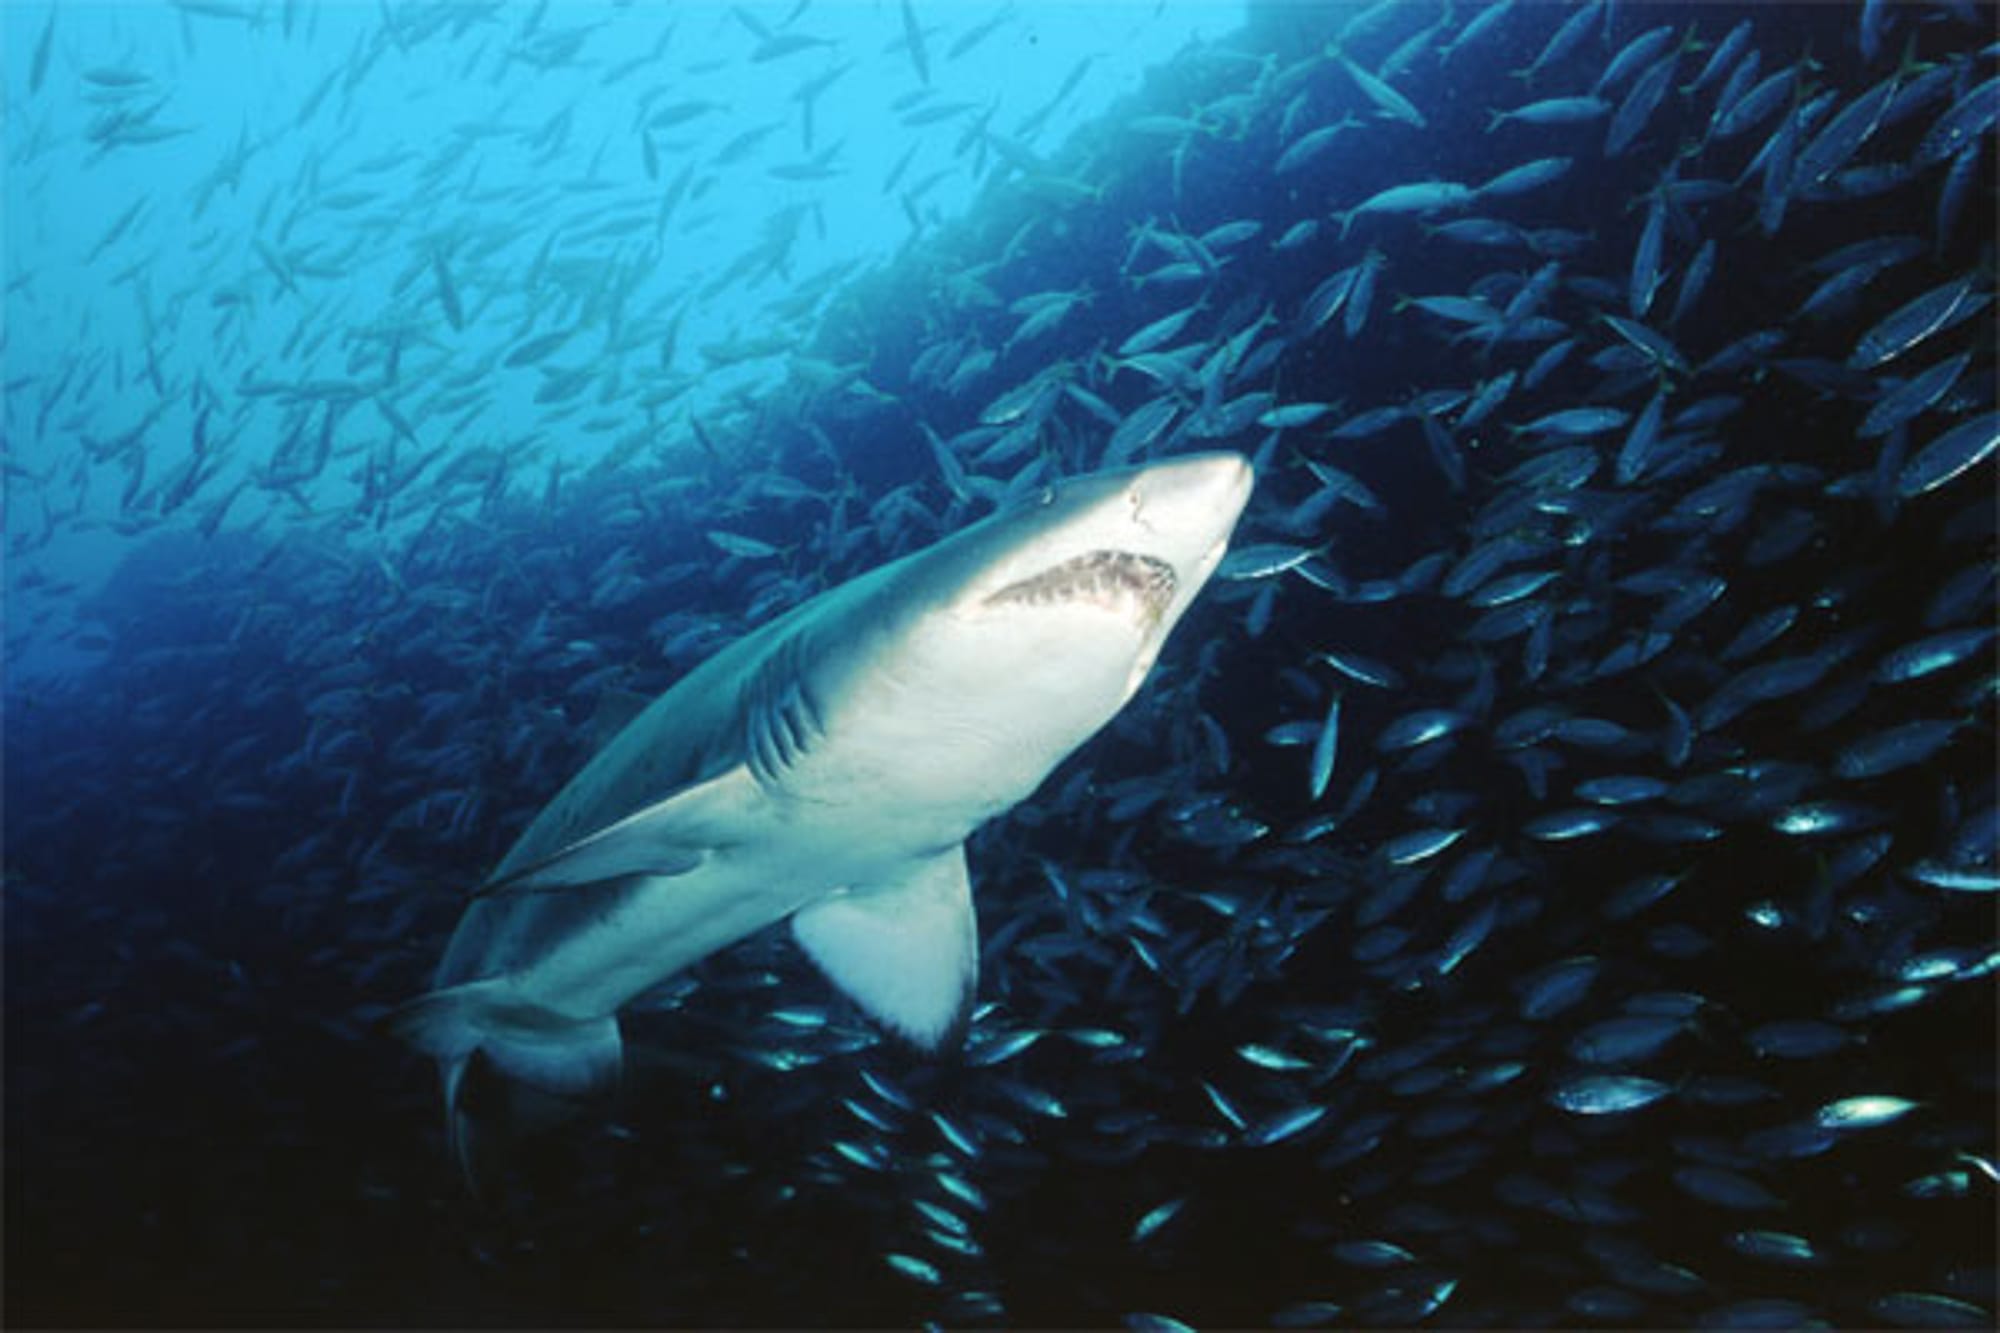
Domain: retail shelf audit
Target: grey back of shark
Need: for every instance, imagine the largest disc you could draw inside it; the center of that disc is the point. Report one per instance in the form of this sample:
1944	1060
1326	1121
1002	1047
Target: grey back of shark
828	768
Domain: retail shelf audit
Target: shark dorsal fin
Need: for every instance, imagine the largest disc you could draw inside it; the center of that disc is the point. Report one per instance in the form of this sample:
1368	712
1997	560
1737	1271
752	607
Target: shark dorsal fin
907	952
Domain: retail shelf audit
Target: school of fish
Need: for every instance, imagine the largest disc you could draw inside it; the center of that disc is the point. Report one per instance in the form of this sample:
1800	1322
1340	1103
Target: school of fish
1550	876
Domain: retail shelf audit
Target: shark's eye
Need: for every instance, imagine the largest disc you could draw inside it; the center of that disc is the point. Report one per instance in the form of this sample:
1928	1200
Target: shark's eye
1047	496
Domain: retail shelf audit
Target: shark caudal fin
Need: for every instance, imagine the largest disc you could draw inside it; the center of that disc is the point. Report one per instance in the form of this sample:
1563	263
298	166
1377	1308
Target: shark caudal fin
534	1045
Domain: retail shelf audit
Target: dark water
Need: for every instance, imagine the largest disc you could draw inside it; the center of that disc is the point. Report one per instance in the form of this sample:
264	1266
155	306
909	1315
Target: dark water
242	820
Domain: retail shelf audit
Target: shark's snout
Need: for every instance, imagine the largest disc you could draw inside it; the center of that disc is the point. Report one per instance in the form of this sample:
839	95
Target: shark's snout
1190	506
1215	483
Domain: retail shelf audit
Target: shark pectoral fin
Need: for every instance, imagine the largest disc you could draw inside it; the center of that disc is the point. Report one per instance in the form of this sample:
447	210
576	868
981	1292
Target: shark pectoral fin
614	712
907	952
655	842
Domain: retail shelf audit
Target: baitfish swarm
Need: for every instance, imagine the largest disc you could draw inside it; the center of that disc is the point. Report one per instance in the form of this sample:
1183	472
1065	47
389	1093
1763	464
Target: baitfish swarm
1550	879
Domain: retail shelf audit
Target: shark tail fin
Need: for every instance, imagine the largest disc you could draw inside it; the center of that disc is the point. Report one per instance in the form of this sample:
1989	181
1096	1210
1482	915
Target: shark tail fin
537	1046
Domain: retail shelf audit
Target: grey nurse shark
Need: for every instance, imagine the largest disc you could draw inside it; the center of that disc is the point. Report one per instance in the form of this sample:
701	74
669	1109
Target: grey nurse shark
828	768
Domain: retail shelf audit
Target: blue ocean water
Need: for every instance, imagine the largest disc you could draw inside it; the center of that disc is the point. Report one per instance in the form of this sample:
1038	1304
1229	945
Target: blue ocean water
1548	878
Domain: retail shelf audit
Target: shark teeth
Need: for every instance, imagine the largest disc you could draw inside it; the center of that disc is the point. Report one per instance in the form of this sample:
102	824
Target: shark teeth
1113	580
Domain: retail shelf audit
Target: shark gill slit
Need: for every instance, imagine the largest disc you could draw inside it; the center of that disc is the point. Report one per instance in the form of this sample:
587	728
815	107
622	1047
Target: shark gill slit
791	733
763	747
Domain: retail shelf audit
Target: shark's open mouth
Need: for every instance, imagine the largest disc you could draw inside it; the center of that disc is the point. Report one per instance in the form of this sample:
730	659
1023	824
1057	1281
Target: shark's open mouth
1114	580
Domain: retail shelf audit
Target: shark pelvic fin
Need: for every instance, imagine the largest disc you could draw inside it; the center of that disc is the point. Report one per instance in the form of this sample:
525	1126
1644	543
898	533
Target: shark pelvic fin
542	1048
538	1046
907	952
